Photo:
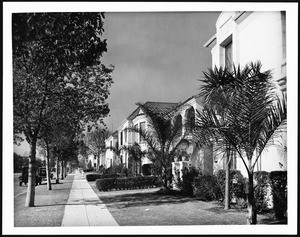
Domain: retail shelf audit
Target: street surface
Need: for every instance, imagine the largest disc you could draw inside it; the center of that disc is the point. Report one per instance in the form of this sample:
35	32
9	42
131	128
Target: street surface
19	190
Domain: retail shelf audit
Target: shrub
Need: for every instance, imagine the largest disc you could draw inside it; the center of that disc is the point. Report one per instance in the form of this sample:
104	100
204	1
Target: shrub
146	169
261	190
185	183
118	169
237	184
94	176
122	183
205	187
88	170
105	184
155	169
279	192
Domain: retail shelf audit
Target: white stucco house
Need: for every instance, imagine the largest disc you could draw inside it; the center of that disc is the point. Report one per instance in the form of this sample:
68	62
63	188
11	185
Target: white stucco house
138	120
95	162
242	37
110	157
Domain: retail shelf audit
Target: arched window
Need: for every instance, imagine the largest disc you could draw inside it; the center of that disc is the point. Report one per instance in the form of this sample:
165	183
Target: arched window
190	119
178	123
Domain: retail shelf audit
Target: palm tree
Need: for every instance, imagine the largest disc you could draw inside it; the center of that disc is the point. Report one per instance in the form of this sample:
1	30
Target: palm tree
136	154
117	151
163	140
242	109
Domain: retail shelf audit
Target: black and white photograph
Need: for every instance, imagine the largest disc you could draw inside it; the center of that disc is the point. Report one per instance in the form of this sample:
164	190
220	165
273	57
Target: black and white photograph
150	118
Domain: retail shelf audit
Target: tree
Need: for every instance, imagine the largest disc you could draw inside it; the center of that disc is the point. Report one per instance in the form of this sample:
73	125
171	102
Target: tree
19	162
251	120
95	141
135	155
45	151
163	139
56	57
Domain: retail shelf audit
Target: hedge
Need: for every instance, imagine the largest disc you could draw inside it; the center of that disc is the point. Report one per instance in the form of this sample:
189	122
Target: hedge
261	191
185	184
237	188
279	192
94	176
205	187
123	183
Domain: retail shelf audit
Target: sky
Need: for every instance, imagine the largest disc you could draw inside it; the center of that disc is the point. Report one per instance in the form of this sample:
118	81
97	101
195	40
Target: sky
158	56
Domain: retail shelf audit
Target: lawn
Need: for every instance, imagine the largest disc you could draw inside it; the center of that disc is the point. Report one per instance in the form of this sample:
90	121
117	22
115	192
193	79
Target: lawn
49	205
146	207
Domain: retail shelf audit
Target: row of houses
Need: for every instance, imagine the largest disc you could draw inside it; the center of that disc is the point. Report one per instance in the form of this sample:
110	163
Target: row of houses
241	37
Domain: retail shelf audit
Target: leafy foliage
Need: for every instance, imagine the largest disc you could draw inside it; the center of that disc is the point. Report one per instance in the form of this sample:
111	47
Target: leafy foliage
163	139
108	184
135	157
118	169
237	183
186	183
242	109
94	176
261	190
58	77
279	191
19	162
206	188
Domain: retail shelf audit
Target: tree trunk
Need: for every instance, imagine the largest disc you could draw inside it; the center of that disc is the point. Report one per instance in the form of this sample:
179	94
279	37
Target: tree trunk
57	170
98	162
29	202
62	170
252	213
48	168
140	166
227	183
65	169
164	178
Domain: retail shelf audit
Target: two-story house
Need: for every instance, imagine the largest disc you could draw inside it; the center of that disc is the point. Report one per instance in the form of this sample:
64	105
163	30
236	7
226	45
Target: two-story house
110	156
242	37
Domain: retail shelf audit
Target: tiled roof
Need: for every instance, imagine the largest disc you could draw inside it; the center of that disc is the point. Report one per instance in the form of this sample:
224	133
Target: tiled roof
198	98
160	107
166	108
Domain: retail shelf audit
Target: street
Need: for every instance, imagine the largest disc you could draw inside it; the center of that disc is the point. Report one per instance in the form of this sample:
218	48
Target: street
19	190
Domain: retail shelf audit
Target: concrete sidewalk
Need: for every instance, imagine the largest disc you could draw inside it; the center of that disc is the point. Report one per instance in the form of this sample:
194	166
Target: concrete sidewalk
84	208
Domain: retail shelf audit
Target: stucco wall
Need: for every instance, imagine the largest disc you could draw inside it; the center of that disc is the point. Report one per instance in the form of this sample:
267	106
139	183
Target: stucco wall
256	36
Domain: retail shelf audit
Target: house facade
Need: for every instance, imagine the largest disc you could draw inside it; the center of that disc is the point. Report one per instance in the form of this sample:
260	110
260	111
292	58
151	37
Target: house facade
110	157
95	162
242	37
198	156
138	120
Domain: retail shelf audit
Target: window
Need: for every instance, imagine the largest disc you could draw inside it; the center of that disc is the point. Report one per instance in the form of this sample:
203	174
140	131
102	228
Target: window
142	127
178	124
110	144
191	119
228	55
136	134
125	135
121	138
